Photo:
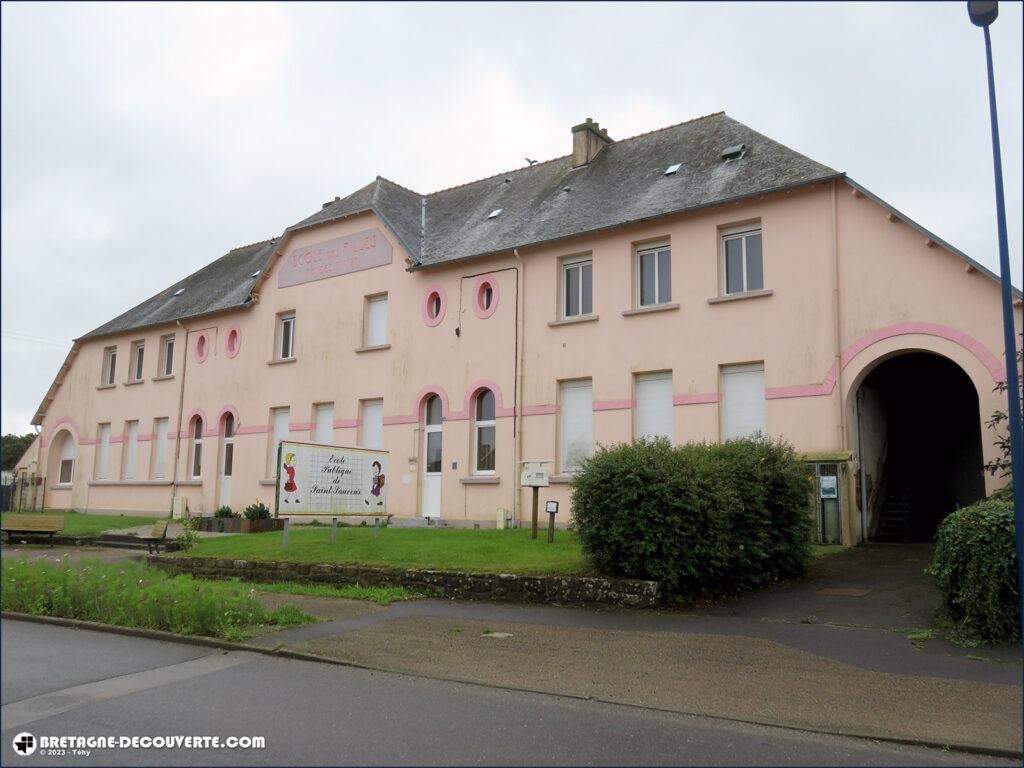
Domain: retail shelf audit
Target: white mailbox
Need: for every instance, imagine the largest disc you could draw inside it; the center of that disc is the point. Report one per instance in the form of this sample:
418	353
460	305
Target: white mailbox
534	474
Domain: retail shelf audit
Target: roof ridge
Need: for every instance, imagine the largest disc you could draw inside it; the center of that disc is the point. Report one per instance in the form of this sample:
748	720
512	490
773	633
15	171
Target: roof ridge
250	245
400	186
562	157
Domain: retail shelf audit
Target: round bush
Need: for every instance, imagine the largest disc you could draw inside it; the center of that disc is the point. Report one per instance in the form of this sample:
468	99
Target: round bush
697	517
975	565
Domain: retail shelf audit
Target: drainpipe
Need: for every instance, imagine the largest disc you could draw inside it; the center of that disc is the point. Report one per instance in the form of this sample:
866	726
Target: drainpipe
181	402
516	404
836	319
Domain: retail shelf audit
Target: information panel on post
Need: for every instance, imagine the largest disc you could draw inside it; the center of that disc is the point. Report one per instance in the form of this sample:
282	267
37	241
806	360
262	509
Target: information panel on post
315	479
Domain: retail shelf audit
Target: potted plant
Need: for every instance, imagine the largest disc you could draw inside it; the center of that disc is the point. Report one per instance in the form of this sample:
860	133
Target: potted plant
258	519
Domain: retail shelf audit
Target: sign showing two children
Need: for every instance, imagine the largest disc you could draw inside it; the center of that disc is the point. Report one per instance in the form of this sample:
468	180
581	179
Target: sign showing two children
317	479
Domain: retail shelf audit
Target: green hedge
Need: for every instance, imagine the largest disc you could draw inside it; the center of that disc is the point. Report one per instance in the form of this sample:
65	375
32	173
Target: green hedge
699	517
975	565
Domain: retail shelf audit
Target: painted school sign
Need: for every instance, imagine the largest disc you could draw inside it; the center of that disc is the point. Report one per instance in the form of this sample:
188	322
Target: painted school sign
315	479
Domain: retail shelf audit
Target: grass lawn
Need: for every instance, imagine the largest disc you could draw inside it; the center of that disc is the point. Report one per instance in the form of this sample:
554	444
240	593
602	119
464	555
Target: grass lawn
492	551
379	595
77	524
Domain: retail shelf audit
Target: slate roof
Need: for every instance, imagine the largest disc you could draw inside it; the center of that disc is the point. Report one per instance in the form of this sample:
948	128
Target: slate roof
227	283
624	184
548	201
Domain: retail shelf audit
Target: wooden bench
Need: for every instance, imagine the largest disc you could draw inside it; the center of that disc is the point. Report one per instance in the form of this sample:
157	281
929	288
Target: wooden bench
32	525
155	536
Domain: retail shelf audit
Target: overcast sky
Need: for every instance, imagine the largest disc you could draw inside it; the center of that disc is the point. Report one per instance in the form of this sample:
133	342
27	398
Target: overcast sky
141	142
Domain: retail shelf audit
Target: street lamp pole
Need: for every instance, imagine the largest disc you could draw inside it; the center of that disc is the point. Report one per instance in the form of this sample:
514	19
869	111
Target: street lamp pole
982	14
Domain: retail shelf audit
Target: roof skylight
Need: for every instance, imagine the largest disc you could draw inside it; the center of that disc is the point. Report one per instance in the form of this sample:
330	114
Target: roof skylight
673	168
255	274
494	214
178	292
733	152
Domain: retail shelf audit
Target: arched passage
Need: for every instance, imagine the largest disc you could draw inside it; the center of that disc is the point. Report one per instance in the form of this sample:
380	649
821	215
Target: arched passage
919	429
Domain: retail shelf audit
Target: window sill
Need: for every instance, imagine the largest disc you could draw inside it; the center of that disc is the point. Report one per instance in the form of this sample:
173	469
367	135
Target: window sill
61	487
269	481
168	377
573	320
740	296
480	480
282	360
374	348
129	482
106	386
562	479
648	310
195	483
130	382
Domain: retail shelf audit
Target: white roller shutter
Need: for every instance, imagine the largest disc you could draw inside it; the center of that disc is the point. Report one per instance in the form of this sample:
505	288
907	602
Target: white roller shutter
576	423
742	400
654	405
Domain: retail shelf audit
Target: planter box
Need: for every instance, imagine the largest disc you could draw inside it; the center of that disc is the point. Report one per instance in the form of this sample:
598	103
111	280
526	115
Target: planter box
237	525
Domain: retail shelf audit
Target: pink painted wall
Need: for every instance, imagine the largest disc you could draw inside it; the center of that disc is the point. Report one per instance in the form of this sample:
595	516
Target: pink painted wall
889	283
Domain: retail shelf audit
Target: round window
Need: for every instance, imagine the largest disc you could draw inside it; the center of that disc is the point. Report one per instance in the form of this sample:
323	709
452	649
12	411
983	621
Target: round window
234	342
201	347
486	296
434	306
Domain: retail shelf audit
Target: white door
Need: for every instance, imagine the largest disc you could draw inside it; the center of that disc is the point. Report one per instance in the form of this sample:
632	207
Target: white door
227	461
430	492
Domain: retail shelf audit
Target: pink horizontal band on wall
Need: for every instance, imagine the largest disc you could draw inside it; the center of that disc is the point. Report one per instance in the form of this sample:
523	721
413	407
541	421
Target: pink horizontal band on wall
698	398
346	423
613	405
260	429
539	410
302	426
88	441
391	420
804	390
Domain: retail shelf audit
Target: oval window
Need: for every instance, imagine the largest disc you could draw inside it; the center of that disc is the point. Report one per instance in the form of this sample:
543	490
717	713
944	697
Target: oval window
234	342
486	296
434	306
201	349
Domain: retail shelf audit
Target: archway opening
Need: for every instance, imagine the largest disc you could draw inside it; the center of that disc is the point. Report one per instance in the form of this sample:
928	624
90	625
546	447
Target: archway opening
920	445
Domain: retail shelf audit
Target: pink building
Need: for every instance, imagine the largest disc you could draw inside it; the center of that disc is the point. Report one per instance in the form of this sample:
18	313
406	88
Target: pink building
699	282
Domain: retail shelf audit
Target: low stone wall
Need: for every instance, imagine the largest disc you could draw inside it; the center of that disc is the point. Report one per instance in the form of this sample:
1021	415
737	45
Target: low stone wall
500	587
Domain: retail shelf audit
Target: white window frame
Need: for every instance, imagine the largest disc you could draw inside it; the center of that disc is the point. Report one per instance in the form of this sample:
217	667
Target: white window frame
227	461
286	333
567	264
68	460
562	443
137	361
109	366
196	454
727	370
477	426
655	248
373	401
740	232
131	450
370	338
158	470
103	451
638	380
319	420
167	355
280	420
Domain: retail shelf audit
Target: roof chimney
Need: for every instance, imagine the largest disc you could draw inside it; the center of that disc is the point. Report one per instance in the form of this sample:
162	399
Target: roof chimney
587	140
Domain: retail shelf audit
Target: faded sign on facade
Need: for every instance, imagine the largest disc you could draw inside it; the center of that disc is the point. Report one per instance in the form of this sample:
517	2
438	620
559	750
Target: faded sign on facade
339	256
315	479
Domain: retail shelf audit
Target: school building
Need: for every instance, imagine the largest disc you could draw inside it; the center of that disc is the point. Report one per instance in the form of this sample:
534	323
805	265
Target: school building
699	282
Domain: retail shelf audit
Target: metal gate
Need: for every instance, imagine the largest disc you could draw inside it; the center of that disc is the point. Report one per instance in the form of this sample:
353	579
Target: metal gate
828	502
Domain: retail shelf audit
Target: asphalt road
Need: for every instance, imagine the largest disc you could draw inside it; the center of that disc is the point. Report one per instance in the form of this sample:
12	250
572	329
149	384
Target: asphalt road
58	681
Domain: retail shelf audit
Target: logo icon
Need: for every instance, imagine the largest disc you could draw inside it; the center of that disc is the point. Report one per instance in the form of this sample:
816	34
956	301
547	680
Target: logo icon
24	743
